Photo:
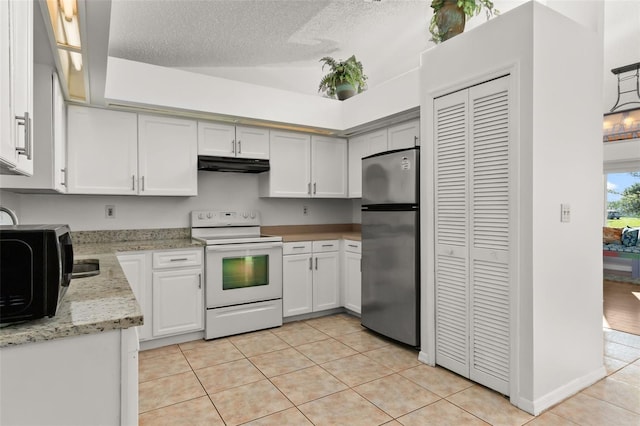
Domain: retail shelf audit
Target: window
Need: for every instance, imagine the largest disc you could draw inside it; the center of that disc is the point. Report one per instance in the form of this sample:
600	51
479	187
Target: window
623	199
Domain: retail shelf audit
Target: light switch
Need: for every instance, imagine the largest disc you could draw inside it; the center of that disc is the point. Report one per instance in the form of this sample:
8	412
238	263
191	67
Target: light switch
565	213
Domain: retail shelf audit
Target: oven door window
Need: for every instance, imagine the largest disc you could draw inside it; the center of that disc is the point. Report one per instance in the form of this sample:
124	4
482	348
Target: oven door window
245	271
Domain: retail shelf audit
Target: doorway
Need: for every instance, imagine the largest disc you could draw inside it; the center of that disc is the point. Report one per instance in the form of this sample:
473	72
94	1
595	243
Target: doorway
621	285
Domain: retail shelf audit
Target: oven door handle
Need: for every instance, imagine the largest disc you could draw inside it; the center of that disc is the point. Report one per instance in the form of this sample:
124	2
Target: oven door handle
249	246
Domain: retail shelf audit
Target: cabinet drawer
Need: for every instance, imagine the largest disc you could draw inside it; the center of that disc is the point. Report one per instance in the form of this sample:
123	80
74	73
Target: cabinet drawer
296	248
325	245
176	258
353	246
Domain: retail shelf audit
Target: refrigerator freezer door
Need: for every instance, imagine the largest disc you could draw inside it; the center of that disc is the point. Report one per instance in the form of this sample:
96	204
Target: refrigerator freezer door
390	283
391	178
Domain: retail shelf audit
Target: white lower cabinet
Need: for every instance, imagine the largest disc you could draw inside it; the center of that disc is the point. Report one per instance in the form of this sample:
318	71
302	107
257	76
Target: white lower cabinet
177	301
310	276
352	275
178	292
169	286
137	269
96	373
297	282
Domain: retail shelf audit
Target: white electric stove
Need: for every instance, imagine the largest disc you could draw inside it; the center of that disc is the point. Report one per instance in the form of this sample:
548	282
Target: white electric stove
243	272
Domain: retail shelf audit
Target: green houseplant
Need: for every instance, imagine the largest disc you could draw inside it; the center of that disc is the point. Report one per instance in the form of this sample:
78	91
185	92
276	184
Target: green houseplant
345	78
449	16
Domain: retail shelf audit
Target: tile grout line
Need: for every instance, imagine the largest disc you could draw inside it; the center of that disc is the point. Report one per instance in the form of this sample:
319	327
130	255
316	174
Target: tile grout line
202	385
352	388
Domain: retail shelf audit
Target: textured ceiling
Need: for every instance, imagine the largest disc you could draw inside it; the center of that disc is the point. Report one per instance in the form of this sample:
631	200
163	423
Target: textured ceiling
271	42
278	43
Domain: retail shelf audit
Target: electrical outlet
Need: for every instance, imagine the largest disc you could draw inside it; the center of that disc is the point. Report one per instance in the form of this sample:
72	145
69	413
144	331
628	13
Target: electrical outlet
110	211
565	213
305	210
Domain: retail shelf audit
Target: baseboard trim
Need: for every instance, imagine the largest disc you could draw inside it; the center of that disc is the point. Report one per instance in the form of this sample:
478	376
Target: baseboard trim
560	394
424	358
171	340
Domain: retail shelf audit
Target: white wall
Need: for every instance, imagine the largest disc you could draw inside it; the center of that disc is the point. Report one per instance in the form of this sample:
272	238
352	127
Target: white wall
621	156
558	292
161	87
567	167
217	191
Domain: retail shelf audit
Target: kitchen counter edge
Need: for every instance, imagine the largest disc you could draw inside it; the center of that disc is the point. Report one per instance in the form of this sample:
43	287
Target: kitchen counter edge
95	304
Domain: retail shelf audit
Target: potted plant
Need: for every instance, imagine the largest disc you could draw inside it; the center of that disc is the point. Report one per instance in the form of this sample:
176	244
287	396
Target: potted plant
345	78
449	16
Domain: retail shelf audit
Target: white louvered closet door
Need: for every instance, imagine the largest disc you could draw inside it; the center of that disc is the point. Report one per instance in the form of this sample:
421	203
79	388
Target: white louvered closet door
473	232
452	231
490	196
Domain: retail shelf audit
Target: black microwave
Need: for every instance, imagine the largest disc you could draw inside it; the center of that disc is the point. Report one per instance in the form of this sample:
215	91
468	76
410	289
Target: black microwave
36	262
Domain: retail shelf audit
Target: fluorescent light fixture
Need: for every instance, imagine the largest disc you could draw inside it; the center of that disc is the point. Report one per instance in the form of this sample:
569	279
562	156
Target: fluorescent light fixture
69	8
65	34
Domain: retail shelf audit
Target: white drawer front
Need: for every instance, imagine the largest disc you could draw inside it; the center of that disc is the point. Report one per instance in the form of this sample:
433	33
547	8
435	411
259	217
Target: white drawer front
326	245
353	246
296	247
177	258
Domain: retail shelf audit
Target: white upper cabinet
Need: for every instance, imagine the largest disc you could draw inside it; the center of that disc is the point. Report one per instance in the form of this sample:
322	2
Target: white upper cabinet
404	135
16	87
216	139
328	167
360	147
167	156
290	172
49	137
59	119
7	143
226	140
121	153
304	166
102	151
378	141
252	142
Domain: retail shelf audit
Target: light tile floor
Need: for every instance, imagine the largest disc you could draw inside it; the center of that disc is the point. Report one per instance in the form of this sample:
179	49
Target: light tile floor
331	371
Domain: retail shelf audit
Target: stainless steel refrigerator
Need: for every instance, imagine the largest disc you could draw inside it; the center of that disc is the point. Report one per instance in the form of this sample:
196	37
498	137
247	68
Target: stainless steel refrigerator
391	244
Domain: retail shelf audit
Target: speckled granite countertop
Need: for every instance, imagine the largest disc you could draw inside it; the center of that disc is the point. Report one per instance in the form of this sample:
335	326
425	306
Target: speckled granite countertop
95	304
291	233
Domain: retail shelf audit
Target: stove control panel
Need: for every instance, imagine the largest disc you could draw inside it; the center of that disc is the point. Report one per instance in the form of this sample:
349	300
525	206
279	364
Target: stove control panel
216	218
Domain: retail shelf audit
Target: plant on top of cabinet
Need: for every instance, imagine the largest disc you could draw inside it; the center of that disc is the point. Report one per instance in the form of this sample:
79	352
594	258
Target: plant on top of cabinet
345	78
449	16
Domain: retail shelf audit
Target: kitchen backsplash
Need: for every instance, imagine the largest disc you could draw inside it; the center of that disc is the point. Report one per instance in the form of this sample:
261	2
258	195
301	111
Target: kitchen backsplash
98	237
216	191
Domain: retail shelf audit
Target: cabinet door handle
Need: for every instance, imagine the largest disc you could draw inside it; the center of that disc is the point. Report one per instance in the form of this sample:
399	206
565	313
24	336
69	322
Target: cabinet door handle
239	147
178	259
233	146
328	245
63	177
309	188
199	280
316	263
311	263
314	188
352	245
133	182
297	247
143	183
25	121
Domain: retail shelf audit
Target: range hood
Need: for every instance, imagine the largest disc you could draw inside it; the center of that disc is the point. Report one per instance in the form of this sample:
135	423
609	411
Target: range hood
232	164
